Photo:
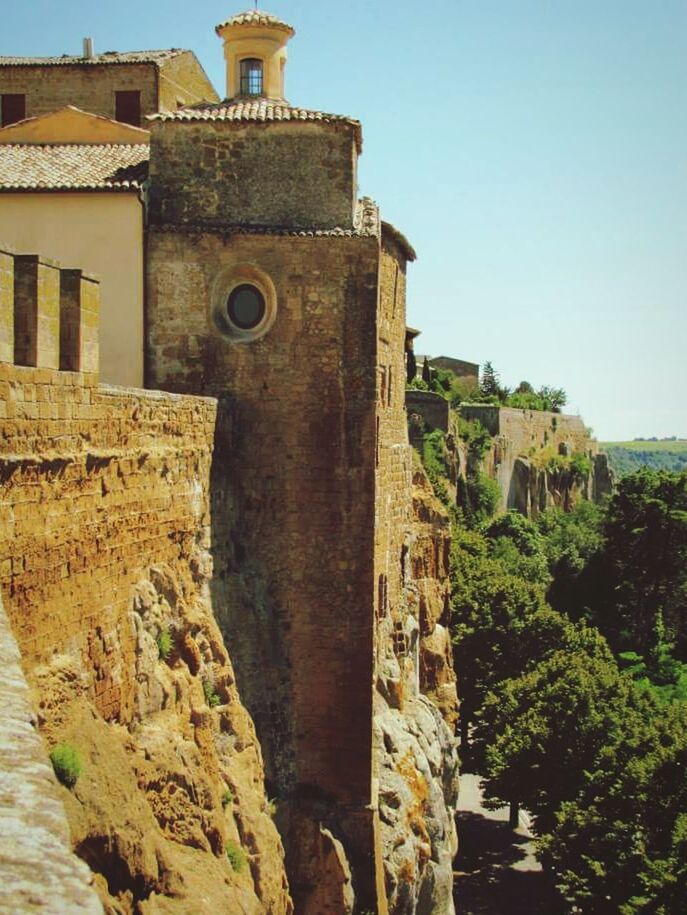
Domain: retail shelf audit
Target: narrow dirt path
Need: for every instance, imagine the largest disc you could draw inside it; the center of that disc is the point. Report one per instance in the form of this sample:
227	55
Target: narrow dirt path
496	872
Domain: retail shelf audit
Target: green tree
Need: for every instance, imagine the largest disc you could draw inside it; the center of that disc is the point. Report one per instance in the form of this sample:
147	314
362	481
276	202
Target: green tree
543	730
571	540
621	845
552	398
518	544
501	624
489	382
644	601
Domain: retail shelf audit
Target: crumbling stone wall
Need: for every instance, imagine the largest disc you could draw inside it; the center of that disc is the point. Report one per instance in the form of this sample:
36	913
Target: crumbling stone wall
218	172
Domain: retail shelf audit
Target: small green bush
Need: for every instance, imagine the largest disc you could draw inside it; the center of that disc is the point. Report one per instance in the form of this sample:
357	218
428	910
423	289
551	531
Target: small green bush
67	764
211	697
236	856
227	797
164	644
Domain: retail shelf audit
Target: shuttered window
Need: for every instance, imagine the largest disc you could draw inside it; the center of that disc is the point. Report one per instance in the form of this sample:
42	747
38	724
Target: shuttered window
12	108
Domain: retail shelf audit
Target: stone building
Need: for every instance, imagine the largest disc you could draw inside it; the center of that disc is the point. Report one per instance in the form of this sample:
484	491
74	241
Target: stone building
278	295
126	86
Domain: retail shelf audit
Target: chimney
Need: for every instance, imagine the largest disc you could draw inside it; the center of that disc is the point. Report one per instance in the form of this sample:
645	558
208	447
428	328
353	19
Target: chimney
88	47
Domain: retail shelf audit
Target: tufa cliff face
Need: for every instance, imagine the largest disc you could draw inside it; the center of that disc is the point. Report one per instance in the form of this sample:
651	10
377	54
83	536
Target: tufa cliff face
415	712
105	570
539	460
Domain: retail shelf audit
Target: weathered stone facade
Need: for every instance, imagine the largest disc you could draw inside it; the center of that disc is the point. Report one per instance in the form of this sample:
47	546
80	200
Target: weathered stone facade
174	79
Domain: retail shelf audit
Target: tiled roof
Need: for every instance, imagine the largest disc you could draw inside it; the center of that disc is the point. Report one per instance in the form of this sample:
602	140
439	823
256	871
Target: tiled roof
67	167
260	110
256	17
109	57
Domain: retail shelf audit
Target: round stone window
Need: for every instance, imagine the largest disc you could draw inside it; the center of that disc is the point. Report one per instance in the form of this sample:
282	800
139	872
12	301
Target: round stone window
244	302
246	306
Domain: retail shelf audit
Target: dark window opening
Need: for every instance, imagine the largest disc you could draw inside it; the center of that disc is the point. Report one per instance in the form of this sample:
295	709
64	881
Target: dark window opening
13	109
128	107
251	76
246	306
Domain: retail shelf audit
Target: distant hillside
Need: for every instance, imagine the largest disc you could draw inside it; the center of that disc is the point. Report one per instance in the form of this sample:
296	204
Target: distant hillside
665	454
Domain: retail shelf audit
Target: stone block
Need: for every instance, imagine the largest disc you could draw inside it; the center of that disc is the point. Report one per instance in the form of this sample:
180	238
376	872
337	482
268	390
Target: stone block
6	306
36	312
79	321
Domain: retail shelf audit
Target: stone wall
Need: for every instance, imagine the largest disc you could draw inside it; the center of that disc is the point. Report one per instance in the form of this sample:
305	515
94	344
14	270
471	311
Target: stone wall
433	408
105	571
292	510
416	762
531	429
180	80
90	87
301	175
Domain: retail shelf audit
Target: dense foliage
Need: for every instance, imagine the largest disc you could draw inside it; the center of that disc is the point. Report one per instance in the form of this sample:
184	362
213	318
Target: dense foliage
569	640
487	390
664	454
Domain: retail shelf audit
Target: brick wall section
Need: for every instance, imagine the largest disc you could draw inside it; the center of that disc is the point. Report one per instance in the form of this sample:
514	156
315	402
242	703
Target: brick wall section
39	871
292	483
394	457
299	174
96	485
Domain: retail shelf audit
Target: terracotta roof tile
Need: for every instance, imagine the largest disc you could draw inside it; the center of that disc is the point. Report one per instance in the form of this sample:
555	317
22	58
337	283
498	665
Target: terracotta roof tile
109	57
67	167
260	110
257	18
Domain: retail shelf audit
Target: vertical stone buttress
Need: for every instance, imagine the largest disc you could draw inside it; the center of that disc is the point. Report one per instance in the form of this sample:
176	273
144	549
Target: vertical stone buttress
295	482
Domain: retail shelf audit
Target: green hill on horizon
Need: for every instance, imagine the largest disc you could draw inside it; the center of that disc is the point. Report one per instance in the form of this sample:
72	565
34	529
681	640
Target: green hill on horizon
662	454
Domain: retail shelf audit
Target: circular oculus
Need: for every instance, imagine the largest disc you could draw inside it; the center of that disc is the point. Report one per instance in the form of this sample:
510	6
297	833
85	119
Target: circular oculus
246	306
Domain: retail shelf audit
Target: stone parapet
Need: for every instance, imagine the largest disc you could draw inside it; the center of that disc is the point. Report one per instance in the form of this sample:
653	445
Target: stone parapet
433	408
49	315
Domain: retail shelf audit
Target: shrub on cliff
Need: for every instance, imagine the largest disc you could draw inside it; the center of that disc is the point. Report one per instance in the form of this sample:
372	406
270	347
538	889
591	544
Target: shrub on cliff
66	763
236	856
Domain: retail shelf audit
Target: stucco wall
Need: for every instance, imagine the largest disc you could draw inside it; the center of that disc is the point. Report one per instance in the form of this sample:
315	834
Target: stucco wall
103	234
183	81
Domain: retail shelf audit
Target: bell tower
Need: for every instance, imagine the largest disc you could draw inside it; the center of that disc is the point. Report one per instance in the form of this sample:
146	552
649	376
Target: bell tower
255	52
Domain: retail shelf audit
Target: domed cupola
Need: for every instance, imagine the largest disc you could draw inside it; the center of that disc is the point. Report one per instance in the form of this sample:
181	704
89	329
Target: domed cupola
255	52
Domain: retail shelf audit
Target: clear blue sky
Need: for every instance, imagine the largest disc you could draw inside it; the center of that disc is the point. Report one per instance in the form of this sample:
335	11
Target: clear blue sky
533	151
